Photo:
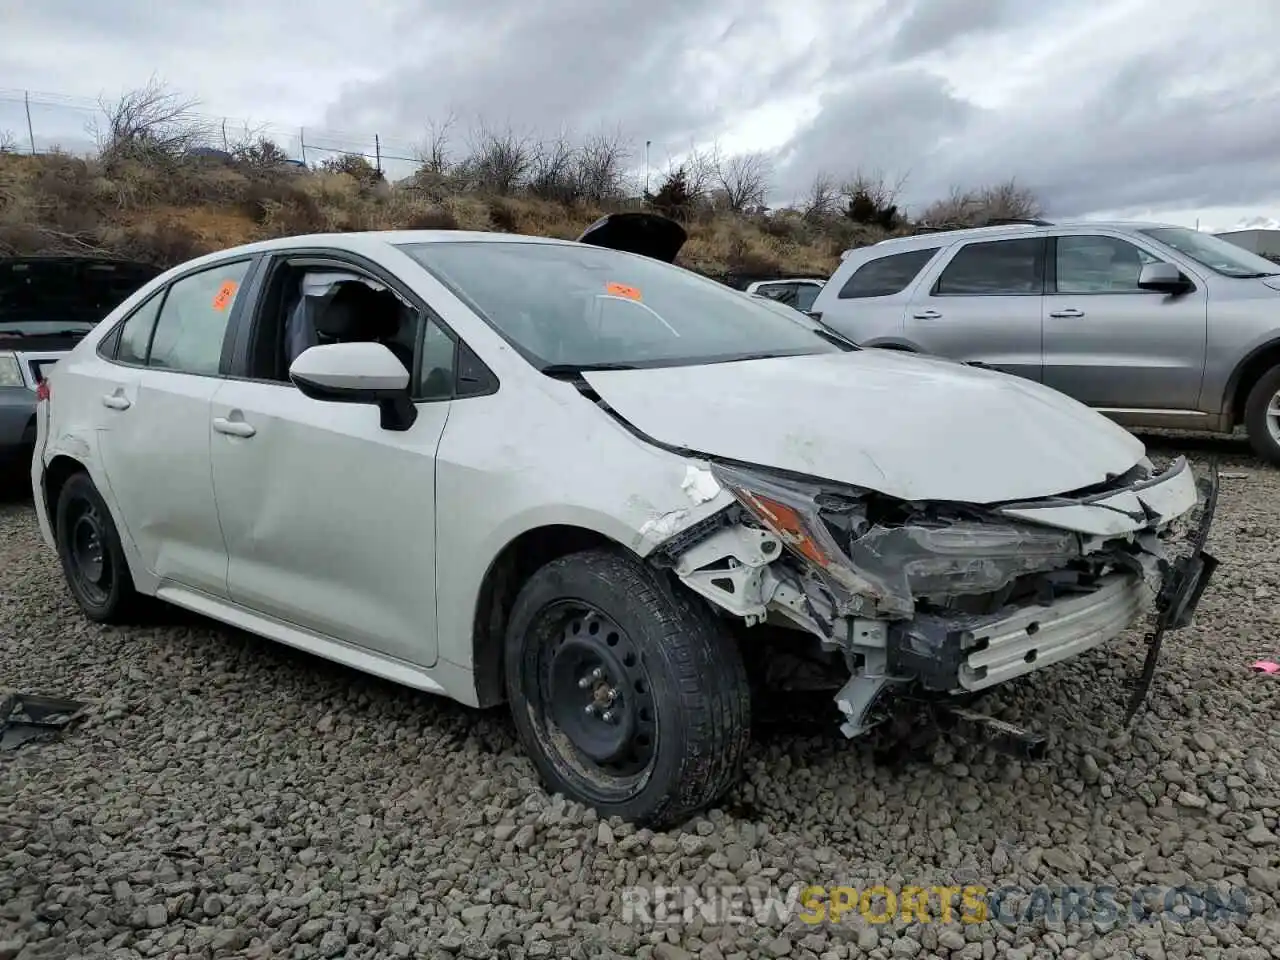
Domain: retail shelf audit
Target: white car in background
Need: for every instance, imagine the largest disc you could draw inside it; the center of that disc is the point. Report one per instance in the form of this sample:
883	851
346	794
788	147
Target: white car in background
799	293
590	484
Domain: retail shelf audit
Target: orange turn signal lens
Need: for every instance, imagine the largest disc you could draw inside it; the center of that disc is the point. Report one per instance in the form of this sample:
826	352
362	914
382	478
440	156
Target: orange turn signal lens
787	523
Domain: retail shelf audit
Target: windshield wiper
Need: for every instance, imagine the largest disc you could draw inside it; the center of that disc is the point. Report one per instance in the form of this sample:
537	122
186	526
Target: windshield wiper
837	339
1254	276
573	369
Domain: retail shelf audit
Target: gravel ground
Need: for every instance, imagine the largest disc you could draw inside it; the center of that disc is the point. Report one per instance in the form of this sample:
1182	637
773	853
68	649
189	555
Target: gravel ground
229	797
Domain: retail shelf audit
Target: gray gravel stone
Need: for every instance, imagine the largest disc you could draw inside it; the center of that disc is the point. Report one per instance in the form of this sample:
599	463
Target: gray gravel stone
230	797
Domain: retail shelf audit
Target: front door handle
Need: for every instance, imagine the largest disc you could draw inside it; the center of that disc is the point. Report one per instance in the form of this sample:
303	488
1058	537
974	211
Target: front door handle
1068	312
116	401
927	315
233	428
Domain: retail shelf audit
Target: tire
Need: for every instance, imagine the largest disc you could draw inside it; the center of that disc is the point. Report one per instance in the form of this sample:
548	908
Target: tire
1258	425
661	731
93	560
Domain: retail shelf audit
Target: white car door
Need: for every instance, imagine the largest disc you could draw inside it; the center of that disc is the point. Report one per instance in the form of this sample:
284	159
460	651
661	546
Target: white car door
162	369
329	518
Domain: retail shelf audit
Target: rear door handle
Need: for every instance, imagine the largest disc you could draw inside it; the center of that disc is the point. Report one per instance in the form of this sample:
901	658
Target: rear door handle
927	315
1069	312
116	401
233	428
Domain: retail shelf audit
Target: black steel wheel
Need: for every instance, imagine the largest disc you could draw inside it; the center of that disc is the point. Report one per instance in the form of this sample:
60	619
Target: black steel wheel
92	557
628	695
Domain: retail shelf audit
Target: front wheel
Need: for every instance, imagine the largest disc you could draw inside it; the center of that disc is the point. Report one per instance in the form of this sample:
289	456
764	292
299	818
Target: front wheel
627	695
1262	416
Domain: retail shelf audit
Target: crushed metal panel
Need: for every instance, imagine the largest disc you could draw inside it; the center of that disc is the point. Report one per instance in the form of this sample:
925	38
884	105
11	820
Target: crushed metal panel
26	717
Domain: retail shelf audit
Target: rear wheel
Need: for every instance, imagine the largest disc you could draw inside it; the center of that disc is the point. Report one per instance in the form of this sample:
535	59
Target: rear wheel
1262	416
91	553
628	695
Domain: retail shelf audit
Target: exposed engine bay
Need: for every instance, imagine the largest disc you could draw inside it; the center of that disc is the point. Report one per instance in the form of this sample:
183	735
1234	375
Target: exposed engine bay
941	599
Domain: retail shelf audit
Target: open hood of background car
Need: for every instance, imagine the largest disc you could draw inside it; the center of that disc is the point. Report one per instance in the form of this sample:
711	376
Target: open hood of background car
906	426
648	234
44	296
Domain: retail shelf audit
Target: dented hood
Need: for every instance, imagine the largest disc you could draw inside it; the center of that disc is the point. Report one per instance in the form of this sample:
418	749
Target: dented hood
907	426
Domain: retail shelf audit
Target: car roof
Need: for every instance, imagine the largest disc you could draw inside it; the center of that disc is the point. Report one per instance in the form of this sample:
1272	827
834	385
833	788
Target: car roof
1001	231
359	241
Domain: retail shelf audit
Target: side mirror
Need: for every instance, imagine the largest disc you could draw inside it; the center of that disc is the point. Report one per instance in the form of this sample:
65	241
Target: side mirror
357	373
1164	277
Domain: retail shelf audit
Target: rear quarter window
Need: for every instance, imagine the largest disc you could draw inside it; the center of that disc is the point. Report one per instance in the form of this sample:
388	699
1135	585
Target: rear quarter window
886	276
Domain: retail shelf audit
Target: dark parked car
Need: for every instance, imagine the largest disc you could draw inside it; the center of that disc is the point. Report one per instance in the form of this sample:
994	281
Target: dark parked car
47	304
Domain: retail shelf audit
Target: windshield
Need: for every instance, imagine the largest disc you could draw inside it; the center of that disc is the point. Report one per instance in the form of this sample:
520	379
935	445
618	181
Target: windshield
1213	252
577	306
64	295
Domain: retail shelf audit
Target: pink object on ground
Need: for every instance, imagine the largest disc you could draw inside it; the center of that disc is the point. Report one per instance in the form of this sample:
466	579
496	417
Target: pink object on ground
1267	666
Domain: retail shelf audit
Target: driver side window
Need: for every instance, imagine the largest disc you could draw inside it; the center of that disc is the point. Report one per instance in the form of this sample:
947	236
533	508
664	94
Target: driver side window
1099	264
307	306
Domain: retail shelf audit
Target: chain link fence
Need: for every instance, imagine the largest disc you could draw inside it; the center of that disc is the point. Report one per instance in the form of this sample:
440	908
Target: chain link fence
37	122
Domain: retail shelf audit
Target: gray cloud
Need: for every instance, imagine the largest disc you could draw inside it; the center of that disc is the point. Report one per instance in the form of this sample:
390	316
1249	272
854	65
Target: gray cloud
1117	105
578	65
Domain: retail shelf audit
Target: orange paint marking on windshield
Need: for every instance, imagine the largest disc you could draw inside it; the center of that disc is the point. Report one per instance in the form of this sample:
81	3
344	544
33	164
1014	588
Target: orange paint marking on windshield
622	290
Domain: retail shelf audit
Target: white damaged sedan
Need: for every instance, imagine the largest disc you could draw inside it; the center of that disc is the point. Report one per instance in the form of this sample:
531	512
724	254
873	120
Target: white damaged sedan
578	479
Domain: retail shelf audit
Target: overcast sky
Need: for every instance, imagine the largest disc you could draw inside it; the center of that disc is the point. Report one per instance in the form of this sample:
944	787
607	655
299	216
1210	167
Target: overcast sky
1153	108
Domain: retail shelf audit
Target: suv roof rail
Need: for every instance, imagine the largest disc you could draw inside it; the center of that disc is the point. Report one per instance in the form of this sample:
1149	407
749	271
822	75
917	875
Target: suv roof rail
992	222
1005	221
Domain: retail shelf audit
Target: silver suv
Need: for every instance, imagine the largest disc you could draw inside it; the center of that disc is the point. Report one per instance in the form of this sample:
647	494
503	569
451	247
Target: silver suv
1151	324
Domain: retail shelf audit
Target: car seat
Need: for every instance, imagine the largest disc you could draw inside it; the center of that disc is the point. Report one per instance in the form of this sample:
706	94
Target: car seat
359	314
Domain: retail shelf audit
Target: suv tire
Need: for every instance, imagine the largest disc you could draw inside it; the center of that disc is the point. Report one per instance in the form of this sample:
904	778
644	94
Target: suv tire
1262	427
627	693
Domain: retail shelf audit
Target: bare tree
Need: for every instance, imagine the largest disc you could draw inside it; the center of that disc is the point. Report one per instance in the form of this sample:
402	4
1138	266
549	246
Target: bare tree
552	173
260	153
700	171
499	160
822	197
600	163
872	198
971	207
433	155
744	178
150	124
1010	200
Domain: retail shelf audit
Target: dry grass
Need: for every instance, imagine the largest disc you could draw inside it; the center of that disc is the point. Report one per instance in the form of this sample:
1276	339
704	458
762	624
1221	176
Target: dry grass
164	213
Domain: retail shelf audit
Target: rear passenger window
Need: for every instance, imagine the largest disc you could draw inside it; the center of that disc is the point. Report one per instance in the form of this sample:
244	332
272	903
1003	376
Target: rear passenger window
885	276
136	332
193	320
995	268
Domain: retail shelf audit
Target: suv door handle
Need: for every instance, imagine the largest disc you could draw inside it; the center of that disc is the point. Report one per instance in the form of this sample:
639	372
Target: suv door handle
927	315
116	401
233	428
1068	312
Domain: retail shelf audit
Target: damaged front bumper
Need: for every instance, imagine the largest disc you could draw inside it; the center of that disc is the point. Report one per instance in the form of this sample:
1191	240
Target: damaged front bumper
950	599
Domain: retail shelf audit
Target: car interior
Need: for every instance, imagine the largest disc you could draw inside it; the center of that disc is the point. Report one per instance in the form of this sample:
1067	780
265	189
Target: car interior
310	306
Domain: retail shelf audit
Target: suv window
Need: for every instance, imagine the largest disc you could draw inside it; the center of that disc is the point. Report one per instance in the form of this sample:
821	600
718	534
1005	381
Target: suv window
193	320
1097	264
885	276
995	268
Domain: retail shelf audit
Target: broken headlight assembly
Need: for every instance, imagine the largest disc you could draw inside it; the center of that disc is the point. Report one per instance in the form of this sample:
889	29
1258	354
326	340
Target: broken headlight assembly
907	552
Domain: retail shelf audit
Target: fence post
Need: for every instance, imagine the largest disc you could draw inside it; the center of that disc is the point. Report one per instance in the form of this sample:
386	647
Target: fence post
31	133
302	143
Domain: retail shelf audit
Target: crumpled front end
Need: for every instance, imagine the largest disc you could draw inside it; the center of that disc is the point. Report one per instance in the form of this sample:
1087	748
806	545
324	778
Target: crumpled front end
942	599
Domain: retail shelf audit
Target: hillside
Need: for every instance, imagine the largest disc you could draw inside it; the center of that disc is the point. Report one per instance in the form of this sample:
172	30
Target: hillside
164	208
